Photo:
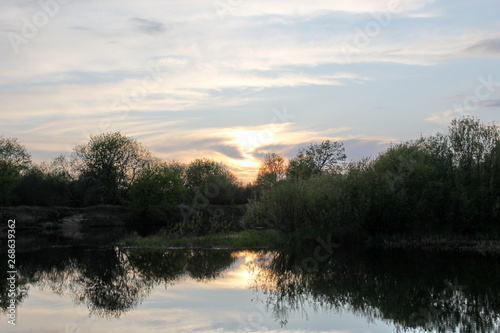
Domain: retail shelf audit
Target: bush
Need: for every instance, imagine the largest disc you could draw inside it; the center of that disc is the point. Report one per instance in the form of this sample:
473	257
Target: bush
211	180
444	183
38	187
308	208
157	187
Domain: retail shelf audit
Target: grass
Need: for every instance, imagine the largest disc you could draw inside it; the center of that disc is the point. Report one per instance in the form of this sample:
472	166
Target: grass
242	239
479	243
274	238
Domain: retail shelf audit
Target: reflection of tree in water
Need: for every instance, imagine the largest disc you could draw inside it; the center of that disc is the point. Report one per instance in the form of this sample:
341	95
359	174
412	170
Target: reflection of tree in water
112	281
21	290
158	266
102	279
167	266
208	265
109	285
408	289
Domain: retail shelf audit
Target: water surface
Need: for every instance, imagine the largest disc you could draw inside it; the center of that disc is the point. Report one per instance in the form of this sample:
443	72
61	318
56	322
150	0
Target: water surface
94	287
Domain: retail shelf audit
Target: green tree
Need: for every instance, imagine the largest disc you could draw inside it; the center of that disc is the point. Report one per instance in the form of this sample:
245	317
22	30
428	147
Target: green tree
178	168
318	158
212	181
41	186
471	141
108	164
473	146
409	188
63	167
14	160
158	186
272	170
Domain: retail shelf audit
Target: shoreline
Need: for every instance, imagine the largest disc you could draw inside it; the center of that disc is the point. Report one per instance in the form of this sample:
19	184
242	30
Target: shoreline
480	246
34	219
262	239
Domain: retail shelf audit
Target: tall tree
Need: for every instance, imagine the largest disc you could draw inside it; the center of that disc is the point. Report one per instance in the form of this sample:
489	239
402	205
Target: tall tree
158	186
272	170
316	159
471	141
14	160
212	180
109	163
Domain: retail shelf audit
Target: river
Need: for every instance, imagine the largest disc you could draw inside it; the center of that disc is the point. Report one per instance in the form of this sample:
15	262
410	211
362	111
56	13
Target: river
85	283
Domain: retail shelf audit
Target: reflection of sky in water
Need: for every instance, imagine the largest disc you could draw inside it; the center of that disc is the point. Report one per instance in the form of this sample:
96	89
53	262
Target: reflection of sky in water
226	304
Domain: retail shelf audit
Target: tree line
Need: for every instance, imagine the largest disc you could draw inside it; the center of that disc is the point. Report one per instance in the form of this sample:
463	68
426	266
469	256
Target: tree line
441	183
111	169
444	183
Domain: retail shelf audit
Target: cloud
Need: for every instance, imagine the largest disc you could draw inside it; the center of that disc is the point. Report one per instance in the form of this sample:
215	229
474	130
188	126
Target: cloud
495	103
165	90
230	151
189	82
484	48
284	149
359	148
442	118
445	117
149	26
298	8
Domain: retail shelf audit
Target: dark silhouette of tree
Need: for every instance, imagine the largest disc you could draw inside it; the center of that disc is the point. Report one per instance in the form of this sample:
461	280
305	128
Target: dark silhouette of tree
211	180
157	187
272	170
109	163
318	158
14	160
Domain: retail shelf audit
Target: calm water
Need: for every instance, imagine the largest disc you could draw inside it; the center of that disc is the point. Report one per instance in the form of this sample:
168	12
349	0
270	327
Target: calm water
90	286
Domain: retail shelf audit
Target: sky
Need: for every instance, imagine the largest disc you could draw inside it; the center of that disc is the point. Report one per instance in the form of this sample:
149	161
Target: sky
232	80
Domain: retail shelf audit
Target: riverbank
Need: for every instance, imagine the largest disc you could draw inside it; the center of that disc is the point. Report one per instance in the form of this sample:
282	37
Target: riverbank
207	220
224	229
43	218
235	240
482	244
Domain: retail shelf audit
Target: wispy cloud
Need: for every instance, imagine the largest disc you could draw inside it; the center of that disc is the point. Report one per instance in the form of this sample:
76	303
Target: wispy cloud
149	26
191	81
484	48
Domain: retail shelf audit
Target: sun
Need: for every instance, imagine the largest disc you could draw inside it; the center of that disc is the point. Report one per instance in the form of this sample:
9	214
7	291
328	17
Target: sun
249	140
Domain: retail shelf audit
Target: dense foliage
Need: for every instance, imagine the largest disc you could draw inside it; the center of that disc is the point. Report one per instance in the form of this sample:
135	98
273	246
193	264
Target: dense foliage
108	164
14	161
446	183
443	183
114	169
